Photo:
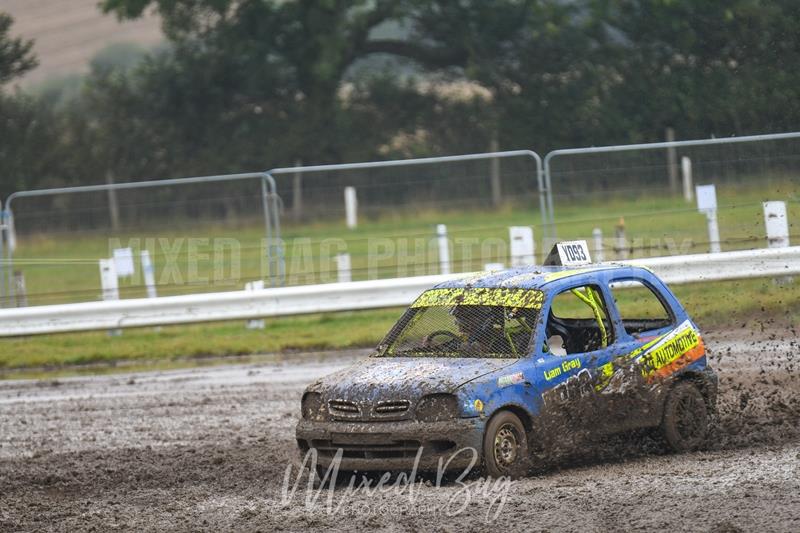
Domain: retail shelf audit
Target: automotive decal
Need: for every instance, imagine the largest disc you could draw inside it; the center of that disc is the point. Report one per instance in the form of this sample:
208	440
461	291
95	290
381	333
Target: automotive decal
521	298
676	350
659	357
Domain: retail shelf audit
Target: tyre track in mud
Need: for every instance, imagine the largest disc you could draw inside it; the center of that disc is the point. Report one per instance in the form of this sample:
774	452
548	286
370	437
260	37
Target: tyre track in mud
208	449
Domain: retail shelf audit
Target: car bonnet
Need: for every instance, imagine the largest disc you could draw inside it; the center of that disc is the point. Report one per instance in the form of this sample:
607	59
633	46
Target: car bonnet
379	378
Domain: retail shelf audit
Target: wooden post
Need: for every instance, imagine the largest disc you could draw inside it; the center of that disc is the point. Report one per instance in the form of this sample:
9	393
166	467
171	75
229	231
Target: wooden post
297	192
672	162
621	246
494	172
113	205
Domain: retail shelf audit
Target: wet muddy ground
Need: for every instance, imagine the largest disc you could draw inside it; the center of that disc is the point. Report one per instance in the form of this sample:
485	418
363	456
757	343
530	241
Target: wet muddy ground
209	448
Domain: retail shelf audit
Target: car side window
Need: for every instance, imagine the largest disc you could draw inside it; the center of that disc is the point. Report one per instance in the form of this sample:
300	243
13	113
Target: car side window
578	322
640	308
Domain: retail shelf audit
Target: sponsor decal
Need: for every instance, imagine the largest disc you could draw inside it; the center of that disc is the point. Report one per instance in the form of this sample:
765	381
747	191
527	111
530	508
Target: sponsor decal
522	298
659	357
511	379
671	349
566	366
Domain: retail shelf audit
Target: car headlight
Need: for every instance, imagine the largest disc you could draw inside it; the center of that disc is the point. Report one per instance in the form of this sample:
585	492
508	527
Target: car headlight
313	407
437	407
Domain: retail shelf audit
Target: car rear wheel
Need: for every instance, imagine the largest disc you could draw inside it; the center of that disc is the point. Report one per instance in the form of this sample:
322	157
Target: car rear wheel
686	421
505	446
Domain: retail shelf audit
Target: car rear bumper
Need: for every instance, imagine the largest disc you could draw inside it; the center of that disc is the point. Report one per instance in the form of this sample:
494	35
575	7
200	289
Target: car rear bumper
394	445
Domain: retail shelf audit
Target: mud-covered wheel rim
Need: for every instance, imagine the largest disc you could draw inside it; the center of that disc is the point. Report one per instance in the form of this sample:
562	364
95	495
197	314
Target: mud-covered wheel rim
506	446
686	421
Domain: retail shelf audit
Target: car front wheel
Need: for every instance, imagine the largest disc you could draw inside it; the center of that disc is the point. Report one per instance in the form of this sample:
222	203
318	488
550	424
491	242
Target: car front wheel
685	425
505	446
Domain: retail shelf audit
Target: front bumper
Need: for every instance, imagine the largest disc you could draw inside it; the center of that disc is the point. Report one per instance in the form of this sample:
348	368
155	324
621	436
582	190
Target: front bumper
393	445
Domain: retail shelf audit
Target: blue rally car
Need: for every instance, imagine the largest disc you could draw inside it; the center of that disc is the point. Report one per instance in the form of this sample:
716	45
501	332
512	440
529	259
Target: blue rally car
508	363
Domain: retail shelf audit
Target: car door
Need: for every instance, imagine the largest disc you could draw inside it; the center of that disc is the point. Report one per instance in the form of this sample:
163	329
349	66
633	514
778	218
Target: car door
578	338
643	318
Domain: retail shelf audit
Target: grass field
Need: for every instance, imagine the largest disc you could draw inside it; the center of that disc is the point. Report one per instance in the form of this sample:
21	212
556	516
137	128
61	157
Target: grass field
59	270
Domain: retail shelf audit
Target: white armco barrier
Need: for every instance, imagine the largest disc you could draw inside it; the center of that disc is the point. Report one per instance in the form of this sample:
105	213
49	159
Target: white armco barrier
351	296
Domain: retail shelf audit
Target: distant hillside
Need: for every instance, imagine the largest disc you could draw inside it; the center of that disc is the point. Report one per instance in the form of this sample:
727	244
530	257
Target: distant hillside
68	33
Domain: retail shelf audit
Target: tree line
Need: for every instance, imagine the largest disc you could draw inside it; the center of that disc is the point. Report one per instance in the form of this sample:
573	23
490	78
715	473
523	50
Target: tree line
252	84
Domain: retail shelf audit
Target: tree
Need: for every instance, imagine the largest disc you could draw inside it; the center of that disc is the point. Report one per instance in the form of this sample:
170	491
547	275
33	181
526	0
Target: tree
16	57
298	51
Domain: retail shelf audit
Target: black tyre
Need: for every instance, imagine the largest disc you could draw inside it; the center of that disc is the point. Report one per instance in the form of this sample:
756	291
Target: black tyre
505	447
686	421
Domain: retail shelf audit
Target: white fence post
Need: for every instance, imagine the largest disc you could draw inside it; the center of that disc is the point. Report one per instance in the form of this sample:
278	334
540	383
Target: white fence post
688	189
254	323
351	207
110	286
149	274
444	249
713	232
597	234
777	224
522	246
343	267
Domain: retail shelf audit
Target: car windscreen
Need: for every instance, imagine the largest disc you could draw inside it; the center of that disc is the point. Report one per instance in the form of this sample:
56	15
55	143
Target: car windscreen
466	322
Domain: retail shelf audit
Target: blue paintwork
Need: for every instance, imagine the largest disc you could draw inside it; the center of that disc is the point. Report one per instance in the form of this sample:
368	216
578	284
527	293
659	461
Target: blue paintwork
538	366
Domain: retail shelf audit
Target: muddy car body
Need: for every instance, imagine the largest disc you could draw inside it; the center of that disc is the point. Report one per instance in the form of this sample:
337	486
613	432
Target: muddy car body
503	362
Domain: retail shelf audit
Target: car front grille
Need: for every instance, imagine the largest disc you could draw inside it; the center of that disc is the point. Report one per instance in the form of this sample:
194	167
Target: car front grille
344	409
391	408
384	410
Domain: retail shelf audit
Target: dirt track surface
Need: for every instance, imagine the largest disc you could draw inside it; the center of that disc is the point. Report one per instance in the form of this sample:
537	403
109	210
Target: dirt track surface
208	449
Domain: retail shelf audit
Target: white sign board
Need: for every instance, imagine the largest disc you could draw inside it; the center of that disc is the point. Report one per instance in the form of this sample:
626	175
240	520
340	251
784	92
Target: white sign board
123	262
522	246
573	253
777	224
706	198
